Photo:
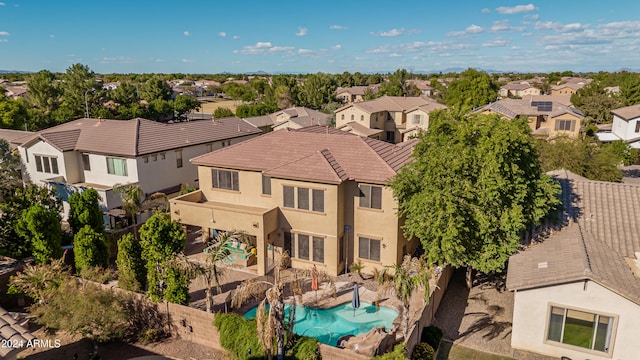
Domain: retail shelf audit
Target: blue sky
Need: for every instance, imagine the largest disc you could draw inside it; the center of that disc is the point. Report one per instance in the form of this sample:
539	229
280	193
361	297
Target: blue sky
304	36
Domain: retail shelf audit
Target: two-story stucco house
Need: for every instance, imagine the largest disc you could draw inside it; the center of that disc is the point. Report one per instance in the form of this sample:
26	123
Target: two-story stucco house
547	118
318	193
577	294
519	89
100	153
625	126
389	118
353	94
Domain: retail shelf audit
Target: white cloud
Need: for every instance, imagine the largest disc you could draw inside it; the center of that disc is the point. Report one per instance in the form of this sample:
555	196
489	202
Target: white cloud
499	42
186	60
4	40
263	44
337	47
515	9
473	29
186	33
302	31
503	26
304	51
559	27
395	55
236	37
281	48
485	11
2	4
338	27
222	34
4	33
391	33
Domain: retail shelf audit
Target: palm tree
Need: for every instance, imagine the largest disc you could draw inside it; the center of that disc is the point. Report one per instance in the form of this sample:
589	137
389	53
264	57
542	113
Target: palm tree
132	202
413	274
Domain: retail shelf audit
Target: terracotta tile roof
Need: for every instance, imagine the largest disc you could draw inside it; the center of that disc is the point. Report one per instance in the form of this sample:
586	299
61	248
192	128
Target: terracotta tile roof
512	108
11	330
627	112
299	114
360	129
137	136
390	103
603	232
12	135
313	154
517	86
357	90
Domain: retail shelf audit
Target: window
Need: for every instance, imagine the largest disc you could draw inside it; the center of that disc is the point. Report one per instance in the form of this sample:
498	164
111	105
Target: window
209	147
224	179
46	164
303	247
342	117
391	136
86	162
638	126
145	159
116	166
226	143
361	117
371	196
565	125
318	249
162	156
178	158
580	328
154	157
289	245
417	119
266	185
318	200
297	197
352	117
303	198
287	194
369	249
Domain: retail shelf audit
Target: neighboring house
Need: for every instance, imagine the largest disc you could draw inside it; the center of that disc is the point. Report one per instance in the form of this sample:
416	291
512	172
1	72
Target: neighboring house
353	94
546	118
566	89
518	89
625	126
318	193
13	135
577	293
388	118
292	118
14	337
15	92
422	85
100	153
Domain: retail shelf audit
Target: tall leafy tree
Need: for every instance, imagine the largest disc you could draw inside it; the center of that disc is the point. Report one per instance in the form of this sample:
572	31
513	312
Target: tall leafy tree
132	274
13	113
184	104
595	103
475	184
43	92
317	90
90	248
630	89
84	209
470	90
125	94
10	175
80	87
155	89
396	84
42	227
161	240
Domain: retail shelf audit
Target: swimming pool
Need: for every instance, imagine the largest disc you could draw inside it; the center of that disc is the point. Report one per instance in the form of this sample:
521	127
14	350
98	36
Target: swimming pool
329	325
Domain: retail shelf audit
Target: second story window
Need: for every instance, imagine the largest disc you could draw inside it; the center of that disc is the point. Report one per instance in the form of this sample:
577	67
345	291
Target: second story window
86	162
46	164
371	196
224	179
417	119
178	158
303	198
638	126
266	185
117	166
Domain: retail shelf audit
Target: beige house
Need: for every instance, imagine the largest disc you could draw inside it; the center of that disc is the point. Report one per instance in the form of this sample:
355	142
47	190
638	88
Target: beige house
353	94
292	118
577	294
547	118
318	193
389	118
518	89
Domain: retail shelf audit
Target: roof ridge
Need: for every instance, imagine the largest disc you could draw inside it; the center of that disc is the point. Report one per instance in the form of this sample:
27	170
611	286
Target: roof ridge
589	269
368	145
338	169
137	137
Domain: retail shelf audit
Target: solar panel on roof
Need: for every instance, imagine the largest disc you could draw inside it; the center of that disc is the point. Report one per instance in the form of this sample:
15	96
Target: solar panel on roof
535	103
544	105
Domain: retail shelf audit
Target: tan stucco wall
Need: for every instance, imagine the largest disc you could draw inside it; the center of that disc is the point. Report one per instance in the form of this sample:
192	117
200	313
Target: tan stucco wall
530	318
359	116
340	209
551	125
563	91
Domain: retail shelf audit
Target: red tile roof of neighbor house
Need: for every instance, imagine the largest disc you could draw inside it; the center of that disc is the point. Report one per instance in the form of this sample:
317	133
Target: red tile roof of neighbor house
314	153
603	231
138	136
627	112
394	103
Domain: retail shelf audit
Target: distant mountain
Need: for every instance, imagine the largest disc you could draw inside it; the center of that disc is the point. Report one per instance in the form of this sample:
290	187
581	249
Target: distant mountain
14	72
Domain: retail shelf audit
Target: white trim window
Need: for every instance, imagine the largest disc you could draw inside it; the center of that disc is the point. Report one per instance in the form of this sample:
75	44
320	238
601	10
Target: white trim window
224	179
117	166
370	196
47	164
579	328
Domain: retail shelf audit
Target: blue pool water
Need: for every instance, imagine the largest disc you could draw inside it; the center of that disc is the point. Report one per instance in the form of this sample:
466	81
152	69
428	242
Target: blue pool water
328	325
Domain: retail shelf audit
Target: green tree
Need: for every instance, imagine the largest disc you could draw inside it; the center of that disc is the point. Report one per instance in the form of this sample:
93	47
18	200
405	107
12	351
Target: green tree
405	279
12	243
13	113
131	268
184	104
155	89
222	112
42	227
10	175
475	185
470	90
90	248
131	195
630	89
396	84
84	209
43	93
125	94
79	88
234	90
317	90
161	240
595	103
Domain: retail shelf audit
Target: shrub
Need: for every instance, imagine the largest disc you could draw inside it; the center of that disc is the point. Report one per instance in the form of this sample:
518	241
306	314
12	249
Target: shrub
432	336
222	112
90	249
423	351
399	353
132	273
239	336
305	348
